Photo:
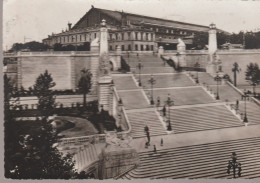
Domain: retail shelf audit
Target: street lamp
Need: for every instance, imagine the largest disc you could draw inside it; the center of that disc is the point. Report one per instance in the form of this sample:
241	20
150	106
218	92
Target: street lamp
197	66
217	78
245	96
140	66
234	164
170	103
152	82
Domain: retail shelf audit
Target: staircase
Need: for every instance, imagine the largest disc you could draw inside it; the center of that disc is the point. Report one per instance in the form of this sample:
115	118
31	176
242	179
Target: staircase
139	120
202	118
199	161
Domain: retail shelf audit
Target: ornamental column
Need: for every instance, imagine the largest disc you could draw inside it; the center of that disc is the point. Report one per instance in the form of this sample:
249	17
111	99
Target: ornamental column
105	80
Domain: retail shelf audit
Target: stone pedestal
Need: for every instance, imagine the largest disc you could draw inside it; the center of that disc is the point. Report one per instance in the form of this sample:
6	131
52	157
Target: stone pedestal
181	53
160	51
116	158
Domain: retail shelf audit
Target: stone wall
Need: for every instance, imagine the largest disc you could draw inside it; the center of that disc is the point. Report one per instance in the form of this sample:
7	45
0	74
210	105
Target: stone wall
29	68
243	59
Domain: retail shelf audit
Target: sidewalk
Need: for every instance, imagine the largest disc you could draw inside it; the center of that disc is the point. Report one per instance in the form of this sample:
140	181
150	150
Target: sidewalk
195	138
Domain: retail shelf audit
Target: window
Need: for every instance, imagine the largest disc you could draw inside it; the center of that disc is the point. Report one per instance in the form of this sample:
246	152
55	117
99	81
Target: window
123	37
147	47
79	37
152	37
147	36
141	36
136	36
95	35
142	47
152	47
136	47
123	47
116	36
64	39
129	47
110	35
116	47
110	48
157	30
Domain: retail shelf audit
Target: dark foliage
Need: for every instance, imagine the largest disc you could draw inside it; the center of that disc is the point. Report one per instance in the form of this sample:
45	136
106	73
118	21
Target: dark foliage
124	66
30	46
84	84
59	47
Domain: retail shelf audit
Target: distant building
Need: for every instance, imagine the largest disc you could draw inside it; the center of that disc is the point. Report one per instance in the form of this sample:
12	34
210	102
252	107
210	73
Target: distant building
131	32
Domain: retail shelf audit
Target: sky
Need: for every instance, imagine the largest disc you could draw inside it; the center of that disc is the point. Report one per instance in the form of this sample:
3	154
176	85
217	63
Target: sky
34	20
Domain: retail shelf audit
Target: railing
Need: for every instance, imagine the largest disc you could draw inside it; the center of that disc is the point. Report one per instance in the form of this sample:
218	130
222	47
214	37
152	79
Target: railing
239	51
50	53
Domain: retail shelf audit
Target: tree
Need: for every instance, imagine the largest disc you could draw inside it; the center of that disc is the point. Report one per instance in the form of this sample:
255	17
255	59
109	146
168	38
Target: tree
253	75
42	89
235	69
84	84
35	155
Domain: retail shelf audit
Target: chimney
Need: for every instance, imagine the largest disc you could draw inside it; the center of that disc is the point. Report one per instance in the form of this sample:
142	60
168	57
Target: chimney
69	25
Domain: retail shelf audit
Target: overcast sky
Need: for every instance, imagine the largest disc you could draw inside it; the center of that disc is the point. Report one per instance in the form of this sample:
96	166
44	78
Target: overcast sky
35	19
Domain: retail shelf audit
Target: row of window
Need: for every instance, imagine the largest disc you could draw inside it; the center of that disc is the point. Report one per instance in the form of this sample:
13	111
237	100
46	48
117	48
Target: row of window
135	36
75	38
168	31
136	48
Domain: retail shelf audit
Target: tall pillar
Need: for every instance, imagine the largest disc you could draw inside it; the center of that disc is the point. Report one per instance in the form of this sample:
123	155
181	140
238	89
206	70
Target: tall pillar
211	67
105	80
212	40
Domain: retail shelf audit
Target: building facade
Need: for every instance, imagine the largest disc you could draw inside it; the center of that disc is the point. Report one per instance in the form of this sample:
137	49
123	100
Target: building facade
129	31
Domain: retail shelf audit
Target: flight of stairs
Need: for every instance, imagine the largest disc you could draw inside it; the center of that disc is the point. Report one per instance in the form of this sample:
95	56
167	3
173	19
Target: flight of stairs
202	118
199	161
139	120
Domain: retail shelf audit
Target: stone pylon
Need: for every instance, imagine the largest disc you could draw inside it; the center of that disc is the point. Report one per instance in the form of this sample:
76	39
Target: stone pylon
211	67
105	80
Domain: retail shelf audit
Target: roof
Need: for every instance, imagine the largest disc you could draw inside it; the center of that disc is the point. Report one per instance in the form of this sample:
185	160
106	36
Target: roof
147	20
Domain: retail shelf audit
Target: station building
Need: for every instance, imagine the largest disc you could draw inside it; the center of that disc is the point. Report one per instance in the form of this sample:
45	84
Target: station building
129	31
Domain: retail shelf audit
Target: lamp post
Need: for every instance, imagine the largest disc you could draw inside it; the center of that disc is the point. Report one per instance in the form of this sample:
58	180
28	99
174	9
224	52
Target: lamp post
245	96
140	66
217	78
234	164
170	103
152	82
197	66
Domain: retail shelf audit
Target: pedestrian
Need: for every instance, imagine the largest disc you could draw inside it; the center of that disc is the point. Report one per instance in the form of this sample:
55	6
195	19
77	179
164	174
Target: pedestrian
154	149
148	138
158	101
164	111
